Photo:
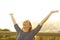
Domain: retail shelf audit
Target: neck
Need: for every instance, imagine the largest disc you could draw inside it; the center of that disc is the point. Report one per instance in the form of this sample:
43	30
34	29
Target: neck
24	30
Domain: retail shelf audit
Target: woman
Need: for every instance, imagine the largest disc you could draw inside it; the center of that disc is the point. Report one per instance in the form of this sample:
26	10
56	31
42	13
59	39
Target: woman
26	33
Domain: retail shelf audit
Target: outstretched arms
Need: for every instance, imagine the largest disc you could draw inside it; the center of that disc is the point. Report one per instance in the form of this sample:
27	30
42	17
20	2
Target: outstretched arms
13	20
45	19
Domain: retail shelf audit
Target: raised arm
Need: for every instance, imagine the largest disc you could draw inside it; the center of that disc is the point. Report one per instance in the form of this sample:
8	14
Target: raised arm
45	19
15	24
13	20
37	29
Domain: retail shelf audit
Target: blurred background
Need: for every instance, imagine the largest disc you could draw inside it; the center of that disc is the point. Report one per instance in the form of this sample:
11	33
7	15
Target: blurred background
33	10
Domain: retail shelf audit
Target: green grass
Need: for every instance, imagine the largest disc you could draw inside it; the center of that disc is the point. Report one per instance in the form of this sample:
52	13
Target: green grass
36	38
47	37
9	38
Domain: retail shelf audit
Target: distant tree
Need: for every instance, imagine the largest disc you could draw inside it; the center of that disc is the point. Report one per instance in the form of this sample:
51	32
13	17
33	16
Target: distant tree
59	31
5	30
0	29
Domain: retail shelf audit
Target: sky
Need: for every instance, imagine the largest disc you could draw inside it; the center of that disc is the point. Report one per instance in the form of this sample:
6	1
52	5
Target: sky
33	10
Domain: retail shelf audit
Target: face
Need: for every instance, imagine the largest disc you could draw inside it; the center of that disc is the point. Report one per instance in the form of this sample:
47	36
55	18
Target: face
26	25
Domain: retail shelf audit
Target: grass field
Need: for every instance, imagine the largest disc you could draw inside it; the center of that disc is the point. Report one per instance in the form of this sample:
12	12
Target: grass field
36	38
40	36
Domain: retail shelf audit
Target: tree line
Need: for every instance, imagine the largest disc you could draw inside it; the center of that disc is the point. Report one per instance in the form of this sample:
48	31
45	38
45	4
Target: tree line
4	30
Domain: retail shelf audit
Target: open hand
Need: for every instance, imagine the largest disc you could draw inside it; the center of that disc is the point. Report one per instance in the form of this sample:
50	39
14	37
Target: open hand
54	11
11	14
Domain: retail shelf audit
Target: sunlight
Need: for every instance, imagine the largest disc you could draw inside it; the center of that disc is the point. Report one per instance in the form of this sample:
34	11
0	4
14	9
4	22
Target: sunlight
33	10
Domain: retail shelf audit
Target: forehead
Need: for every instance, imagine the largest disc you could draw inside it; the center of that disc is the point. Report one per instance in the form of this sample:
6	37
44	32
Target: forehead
26	21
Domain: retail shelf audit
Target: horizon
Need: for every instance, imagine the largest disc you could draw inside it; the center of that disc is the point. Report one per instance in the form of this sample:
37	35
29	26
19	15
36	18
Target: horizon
33	10
47	27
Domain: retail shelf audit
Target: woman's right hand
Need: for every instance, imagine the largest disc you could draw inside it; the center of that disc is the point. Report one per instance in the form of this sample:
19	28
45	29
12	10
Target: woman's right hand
12	17
11	14
54	11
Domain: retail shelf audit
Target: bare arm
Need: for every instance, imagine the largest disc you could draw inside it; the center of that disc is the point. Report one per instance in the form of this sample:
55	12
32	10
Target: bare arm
13	20
36	30
15	24
45	19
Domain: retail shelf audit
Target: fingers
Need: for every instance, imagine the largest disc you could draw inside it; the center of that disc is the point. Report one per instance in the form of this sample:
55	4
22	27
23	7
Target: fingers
54	11
11	14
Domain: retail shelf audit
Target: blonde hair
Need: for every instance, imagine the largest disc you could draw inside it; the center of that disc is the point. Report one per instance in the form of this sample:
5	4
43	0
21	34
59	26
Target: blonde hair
29	24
